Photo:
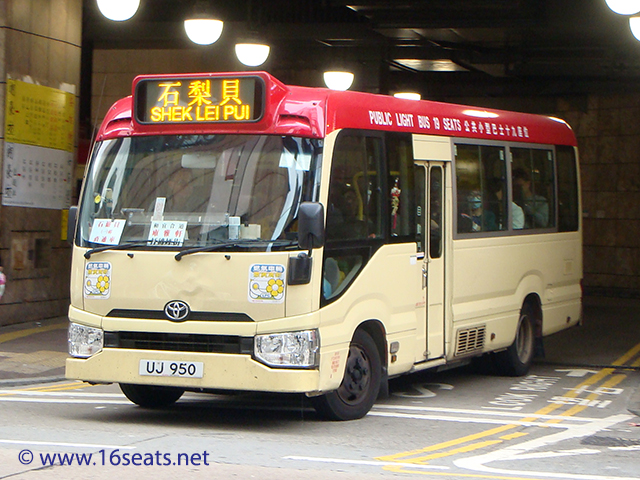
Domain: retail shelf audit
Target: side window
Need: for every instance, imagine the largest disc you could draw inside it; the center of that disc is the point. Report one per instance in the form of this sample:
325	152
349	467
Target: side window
401	187
354	208
568	212
421	211
533	186
435	212
481	187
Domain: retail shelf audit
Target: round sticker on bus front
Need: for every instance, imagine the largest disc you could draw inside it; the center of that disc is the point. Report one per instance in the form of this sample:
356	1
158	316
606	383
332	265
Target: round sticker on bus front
266	283
97	280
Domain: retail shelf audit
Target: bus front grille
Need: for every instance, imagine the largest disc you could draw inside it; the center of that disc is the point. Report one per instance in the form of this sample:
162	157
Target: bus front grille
470	340
179	342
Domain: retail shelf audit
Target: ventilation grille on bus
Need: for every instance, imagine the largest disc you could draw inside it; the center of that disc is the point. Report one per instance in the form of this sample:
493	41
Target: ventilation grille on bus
470	340
179	342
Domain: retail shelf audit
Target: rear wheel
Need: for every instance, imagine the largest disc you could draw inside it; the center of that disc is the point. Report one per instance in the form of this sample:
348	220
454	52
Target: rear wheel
516	360
151	396
361	383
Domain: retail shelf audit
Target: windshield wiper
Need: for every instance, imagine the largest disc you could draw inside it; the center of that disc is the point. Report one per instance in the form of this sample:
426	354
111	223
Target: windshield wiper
238	244
122	246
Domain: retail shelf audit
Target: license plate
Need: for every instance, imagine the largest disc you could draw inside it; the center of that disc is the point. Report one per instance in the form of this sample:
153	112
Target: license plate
168	368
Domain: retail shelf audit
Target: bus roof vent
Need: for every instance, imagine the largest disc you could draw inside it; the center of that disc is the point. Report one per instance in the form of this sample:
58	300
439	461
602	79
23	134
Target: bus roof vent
470	340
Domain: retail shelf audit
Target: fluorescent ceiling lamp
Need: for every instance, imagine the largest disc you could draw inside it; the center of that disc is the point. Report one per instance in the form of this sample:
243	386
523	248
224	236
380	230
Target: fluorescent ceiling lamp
634	24
408	95
252	54
203	31
422	65
624	7
336	80
118	10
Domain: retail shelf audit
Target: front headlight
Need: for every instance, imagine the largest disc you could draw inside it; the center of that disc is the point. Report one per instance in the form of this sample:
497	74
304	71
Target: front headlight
293	349
84	341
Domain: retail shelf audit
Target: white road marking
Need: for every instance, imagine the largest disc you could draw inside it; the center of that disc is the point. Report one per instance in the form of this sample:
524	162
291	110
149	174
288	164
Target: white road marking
64	400
560	453
577	372
36	393
364	462
483	412
415	416
512	452
62	444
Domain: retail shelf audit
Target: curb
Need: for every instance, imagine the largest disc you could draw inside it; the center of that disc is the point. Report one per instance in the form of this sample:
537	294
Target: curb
19	382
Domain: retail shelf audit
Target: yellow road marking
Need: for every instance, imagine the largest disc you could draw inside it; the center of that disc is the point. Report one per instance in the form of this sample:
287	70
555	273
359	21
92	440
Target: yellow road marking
468	448
450	443
63	387
573	393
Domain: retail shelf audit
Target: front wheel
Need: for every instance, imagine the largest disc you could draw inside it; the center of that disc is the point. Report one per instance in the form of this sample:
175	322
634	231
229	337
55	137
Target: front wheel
361	383
516	360
151	396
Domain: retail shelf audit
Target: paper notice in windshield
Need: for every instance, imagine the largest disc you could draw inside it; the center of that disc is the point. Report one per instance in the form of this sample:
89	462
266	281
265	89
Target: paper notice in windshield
266	283
106	231
167	233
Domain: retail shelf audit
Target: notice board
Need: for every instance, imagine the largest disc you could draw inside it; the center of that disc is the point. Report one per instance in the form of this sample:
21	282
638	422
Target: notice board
38	149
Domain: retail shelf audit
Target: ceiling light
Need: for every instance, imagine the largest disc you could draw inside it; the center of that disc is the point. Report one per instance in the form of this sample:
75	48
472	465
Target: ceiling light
634	24
338	80
624	7
252	54
408	95
203	31
118	10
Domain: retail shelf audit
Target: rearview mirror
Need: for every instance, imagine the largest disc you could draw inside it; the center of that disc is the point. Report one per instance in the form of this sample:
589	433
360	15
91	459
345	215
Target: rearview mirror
310	225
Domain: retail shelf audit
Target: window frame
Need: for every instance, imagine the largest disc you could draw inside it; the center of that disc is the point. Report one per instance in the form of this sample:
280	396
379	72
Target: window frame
510	231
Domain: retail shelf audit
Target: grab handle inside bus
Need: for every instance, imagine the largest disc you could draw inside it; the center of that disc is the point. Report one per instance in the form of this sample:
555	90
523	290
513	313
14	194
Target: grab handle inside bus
310	226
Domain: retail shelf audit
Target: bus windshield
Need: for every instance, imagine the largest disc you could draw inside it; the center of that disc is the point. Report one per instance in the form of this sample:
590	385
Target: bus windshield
192	191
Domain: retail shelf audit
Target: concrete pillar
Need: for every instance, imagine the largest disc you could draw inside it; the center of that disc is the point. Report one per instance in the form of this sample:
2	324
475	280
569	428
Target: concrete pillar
40	45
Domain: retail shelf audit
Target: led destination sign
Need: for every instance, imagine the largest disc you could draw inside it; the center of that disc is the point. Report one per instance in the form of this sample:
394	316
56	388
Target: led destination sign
199	100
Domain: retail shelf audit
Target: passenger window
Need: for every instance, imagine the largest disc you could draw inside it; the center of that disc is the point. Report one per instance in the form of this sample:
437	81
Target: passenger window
353	211
401	187
568	214
481	188
435	212
533	186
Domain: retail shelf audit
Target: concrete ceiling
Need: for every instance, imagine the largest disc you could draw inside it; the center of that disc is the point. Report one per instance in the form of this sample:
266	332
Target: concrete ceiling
437	47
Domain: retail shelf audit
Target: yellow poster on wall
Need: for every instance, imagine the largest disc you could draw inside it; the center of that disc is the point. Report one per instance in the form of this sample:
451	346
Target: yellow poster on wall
40	116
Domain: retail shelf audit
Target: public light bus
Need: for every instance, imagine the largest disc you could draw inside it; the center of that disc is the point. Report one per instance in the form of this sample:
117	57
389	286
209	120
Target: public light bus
235	233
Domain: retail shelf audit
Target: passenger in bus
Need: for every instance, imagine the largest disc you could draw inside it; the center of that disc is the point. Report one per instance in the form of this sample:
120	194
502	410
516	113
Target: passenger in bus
517	214
476	218
344	221
536	207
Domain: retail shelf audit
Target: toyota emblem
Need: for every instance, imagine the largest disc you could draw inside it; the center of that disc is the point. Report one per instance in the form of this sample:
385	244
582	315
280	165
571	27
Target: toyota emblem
176	311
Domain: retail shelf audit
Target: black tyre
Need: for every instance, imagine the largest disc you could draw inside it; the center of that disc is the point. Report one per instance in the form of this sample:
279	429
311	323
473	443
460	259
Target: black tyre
360	385
516	360
149	396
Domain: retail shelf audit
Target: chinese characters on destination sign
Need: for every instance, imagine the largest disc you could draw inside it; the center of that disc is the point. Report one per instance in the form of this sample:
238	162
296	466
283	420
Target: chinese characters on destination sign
195	100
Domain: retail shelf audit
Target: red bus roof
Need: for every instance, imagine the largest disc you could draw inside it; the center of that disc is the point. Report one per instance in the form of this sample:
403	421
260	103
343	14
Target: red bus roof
315	112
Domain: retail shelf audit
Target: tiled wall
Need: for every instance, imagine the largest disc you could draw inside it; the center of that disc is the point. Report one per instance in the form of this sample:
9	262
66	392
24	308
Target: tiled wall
40	42
608	133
